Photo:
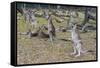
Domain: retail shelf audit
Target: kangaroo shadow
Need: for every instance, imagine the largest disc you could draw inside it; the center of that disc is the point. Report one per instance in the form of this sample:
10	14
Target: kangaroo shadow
64	39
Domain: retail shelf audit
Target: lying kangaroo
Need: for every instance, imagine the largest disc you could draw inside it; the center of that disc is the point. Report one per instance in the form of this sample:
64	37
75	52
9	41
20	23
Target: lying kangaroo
76	40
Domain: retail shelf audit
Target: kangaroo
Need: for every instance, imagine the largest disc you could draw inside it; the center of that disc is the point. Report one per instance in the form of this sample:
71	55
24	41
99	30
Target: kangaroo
46	14
77	42
51	29
33	20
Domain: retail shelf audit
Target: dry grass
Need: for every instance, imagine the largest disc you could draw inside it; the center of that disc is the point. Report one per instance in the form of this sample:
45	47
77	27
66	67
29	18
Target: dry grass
38	50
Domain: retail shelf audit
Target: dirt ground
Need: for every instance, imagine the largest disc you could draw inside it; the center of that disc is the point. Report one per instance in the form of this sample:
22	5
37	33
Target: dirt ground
39	50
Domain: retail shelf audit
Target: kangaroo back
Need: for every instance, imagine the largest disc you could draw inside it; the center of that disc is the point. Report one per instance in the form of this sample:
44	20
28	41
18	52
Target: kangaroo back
51	28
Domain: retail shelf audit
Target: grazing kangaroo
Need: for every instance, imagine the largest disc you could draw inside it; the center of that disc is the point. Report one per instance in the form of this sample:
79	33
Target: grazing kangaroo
51	29
76	40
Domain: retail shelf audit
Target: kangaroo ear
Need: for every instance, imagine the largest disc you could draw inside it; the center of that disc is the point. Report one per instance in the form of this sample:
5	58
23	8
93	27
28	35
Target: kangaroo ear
71	25
74	26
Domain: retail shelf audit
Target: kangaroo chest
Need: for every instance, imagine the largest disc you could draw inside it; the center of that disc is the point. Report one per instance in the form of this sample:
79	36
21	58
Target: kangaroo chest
50	26
75	36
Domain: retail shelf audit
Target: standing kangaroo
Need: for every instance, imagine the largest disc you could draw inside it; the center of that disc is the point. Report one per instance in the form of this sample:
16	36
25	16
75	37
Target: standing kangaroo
51	29
76	40
33	20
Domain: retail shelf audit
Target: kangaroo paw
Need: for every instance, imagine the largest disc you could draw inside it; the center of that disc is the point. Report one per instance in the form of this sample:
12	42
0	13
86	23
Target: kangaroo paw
73	53
77	55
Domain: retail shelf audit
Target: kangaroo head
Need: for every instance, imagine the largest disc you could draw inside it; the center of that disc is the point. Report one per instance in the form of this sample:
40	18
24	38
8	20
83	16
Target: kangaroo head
74	26
49	17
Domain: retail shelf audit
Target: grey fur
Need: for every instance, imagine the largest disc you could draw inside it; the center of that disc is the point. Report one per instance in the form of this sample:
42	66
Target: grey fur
51	29
77	42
